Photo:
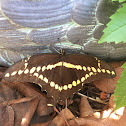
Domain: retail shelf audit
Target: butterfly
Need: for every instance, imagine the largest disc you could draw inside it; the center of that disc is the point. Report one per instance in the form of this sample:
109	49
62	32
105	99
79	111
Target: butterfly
60	75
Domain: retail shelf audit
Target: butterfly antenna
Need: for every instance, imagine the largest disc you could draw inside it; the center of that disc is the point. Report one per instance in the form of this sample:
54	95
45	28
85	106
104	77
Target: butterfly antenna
61	49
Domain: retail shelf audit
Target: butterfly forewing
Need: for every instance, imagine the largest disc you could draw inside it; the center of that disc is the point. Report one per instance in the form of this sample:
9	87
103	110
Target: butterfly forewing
60	75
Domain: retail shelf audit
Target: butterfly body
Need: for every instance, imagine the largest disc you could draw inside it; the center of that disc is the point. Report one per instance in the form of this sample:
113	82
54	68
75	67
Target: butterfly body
61	75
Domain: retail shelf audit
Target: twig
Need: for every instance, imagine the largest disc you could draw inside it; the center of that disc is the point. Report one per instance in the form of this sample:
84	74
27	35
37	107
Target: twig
97	100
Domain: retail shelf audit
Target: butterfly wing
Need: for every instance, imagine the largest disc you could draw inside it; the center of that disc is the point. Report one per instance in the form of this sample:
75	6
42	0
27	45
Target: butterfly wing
33	69
60	75
86	69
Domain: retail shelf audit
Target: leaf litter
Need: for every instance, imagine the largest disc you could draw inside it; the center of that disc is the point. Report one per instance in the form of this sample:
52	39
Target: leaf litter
21	104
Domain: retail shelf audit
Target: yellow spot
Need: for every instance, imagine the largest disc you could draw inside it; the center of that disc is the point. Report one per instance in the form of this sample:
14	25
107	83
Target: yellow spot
82	79
7	75
54	65
91	73
86	76
96	58
25	60
74	83
41	77
65	87
78	67
108	71
32	70
38	68
13	73
35	74
49	67
52	84
43	68
26	64
113	73
99	65
69	86
78	82
103	70
20	72
83	84
88	68
93	69
60	88
57	64
68	65
26	71
60	64
99	71
84	68
56	86
45	79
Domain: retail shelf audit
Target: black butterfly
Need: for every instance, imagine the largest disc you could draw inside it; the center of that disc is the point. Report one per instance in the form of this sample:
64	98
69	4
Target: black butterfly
60	75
